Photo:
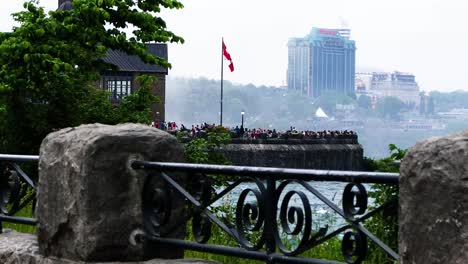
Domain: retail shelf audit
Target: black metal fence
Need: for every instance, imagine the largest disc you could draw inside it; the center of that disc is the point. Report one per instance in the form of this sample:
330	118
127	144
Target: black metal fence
267	225
17	189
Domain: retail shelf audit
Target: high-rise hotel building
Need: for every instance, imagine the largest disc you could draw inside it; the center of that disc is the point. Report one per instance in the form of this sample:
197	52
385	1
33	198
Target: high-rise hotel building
323	61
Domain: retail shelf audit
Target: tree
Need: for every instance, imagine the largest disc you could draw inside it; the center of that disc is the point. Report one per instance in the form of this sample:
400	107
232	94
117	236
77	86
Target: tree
385	224
329	100
364	102
448	101
390	107
50	61
431	106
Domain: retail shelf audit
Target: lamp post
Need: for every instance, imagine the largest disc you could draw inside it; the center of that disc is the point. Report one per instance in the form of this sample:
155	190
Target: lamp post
242	114
242	124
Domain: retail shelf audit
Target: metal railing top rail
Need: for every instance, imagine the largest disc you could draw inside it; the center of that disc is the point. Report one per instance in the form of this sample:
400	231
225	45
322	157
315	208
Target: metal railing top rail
283	173
279	173
12	157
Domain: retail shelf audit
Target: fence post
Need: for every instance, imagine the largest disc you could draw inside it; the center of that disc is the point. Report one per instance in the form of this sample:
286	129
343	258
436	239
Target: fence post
433	200
89	197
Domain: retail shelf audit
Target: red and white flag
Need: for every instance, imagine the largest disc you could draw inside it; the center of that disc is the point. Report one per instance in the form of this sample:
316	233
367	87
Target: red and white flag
228	57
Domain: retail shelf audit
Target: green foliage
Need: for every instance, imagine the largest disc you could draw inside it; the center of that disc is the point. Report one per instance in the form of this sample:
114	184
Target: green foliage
206	150
329	250
364	102
385	224
25	212
193	101
329	100
49	62
447	101
196	151
134	107
298	105
390	107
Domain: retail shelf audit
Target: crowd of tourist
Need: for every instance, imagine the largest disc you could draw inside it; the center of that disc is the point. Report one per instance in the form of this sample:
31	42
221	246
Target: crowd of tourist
260	133
255	133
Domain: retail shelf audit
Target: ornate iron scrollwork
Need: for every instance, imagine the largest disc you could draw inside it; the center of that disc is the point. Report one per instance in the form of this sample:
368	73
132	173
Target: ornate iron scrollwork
201	224
201	228
354	200
266	213
10	190
354	247
250	217
354	243
157	205
300	217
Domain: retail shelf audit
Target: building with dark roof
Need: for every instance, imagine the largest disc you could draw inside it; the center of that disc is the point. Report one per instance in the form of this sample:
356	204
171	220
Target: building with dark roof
123	82
64	5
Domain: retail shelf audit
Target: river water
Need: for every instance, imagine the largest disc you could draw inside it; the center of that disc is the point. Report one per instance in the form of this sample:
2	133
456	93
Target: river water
322	215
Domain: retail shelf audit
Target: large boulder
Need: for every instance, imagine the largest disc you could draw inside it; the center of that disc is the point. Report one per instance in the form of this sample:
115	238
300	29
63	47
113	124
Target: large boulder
89	197
434	202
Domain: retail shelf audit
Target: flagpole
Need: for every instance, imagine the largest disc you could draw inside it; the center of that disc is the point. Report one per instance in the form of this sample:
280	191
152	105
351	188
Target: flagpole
222	62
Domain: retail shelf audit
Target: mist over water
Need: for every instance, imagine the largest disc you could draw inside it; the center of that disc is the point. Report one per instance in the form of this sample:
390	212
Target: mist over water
194	101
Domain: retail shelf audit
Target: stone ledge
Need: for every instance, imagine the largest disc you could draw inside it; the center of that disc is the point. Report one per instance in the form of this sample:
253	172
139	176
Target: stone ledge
21	248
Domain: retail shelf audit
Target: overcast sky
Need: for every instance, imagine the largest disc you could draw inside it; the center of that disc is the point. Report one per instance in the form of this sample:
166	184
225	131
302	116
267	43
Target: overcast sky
428	38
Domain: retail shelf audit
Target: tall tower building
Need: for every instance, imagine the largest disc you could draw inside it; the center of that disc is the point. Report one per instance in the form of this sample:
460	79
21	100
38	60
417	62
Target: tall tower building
323	61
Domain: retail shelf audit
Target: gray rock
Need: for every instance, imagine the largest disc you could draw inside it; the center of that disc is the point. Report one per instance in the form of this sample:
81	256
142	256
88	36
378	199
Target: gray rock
434	202
90	199
20	248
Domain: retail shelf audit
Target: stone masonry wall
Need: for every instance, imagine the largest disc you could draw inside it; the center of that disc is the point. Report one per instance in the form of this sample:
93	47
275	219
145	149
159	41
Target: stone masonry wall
303	156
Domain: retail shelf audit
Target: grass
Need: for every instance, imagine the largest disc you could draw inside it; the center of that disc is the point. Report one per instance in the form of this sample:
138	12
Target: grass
25	212
330	250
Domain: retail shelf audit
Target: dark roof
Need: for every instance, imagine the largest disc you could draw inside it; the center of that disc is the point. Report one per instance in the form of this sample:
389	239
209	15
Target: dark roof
65	5
132	63
128	63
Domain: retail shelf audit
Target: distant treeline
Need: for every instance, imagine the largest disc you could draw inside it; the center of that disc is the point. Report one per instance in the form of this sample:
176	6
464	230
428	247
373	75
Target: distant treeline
194	101
446	101
198	100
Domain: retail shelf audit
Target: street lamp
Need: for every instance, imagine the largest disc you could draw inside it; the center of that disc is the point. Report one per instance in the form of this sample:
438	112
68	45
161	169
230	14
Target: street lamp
242	114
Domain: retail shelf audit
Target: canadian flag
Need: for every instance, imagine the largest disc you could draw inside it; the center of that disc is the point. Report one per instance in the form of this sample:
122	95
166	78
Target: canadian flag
228	57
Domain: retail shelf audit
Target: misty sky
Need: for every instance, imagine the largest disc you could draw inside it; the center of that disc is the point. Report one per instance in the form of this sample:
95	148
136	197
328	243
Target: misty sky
426	37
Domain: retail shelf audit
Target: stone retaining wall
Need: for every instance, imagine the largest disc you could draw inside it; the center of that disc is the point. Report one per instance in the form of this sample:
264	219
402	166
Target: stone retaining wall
299	155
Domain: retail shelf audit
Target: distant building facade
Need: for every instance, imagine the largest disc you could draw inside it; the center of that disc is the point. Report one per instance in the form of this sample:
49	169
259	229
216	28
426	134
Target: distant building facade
323	61
123	82
378	85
